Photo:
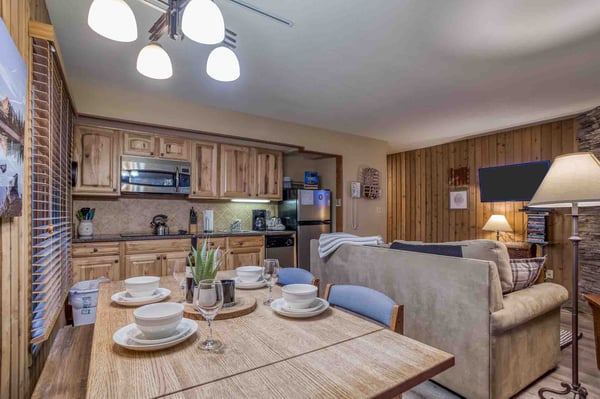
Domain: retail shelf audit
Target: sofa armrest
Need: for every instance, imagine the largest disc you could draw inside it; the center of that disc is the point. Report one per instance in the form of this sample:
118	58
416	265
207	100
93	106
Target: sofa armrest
527	304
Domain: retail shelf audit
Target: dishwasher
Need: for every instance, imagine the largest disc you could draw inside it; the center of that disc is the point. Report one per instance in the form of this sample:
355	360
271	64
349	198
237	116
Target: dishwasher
281	247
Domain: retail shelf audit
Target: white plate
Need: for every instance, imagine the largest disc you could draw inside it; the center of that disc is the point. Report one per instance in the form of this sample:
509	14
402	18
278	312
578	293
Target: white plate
278	306
123	338
314	306
123	299
138	337
249	285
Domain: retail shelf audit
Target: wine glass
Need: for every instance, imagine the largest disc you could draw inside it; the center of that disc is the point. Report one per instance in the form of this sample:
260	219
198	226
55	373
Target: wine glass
179	272
270	273
208	300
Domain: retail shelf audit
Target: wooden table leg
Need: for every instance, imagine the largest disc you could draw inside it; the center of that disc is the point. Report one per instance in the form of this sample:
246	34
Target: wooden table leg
594	301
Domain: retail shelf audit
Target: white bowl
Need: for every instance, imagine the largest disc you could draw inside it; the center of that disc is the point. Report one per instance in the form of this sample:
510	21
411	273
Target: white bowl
158	320
141	286
299	296
249	274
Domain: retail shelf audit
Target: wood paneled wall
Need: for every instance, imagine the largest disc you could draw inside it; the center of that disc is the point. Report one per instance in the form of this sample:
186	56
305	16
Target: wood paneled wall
15	360
418	194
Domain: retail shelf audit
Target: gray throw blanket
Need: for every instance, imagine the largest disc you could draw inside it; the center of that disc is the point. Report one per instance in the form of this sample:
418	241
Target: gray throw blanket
328	243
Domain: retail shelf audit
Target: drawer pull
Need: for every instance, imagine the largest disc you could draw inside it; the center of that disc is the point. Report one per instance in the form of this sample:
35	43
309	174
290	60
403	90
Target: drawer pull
158	257
95	250
116	261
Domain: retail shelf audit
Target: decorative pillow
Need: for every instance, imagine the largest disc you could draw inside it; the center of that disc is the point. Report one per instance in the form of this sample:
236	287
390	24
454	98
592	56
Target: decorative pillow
525	272
435	249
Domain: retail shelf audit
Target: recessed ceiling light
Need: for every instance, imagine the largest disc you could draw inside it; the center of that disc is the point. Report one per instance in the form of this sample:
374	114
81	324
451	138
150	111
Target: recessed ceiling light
154	62
113	19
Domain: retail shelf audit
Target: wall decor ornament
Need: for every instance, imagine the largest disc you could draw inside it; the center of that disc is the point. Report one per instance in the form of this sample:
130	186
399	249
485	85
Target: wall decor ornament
13	94
459	199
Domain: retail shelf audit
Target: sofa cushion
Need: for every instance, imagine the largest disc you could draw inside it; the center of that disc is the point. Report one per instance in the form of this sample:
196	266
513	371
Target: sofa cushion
489	250
526	271
435	249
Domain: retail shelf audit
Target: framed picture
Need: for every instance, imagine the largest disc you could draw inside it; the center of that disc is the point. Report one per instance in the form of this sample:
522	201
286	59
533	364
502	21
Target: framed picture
13	95
459	199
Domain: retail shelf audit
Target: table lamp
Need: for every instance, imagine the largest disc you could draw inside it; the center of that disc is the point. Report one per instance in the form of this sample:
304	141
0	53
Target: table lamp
497	223
573	181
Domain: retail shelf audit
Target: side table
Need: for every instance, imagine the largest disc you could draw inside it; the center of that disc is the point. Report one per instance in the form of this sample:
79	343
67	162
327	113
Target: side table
594	301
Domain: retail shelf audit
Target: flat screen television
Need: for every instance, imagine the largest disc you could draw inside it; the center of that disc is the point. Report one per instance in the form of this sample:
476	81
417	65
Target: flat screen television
511	182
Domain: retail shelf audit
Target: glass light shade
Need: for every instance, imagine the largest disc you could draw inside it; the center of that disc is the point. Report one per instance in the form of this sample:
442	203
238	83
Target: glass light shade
223	65
203	22
572	178
154	62
497	223
113	19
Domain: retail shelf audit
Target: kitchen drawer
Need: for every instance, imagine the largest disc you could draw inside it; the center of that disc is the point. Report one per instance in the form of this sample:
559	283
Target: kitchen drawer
213	243
245	242
157	246
91	268
95	249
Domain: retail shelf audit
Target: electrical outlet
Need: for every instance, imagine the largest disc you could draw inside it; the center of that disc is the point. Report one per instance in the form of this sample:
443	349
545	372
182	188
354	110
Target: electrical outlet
549	274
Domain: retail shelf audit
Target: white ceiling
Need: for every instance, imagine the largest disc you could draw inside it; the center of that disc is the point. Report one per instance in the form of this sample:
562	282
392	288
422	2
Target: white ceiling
410	72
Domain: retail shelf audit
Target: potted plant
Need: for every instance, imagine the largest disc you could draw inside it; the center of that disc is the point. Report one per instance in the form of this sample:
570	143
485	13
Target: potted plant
206	262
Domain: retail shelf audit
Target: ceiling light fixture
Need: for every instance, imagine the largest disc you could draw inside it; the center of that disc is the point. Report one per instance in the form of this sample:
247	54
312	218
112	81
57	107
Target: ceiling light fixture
154	62
203	22
223	65
113	19
199	20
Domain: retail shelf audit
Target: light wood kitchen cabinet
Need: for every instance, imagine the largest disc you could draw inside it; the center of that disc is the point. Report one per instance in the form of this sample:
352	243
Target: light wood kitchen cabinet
94	260
143	265
143	145
204	170
268	174
96	161
95	267
174	148
244	251
235	171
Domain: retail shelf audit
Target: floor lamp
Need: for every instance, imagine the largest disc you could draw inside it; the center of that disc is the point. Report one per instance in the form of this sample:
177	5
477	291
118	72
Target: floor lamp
573	181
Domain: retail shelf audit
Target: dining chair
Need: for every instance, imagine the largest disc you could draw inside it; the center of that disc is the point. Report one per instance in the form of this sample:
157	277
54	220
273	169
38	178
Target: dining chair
295	275
367	302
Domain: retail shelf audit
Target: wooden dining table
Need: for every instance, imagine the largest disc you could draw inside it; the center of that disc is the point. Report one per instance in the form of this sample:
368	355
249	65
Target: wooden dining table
334	355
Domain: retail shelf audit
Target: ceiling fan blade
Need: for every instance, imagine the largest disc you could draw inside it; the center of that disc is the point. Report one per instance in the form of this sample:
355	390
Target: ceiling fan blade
262	12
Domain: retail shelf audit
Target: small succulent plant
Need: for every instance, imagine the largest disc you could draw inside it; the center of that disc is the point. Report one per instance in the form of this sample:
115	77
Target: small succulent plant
206	262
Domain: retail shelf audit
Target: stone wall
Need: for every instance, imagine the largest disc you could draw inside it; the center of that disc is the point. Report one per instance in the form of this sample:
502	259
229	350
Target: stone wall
588	135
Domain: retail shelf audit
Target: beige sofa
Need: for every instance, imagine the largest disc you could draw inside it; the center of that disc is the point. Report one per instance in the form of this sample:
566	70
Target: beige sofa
501	343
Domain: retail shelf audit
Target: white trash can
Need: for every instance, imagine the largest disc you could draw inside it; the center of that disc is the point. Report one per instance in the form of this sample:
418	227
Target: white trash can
83	297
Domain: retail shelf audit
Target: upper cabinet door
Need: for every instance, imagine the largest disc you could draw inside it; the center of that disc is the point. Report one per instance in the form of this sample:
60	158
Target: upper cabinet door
204	170
268	174
96	153
174	148
143	145
235	171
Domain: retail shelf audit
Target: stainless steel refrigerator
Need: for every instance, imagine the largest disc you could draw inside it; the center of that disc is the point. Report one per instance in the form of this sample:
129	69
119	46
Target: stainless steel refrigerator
308	213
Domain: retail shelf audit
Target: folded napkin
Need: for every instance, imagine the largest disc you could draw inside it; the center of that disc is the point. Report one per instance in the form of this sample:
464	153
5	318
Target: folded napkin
328	243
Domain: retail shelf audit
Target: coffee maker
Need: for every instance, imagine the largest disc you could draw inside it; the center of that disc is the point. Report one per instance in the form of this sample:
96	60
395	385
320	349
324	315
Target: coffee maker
259	219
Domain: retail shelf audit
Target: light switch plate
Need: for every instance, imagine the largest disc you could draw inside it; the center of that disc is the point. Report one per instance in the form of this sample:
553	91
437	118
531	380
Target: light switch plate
549	274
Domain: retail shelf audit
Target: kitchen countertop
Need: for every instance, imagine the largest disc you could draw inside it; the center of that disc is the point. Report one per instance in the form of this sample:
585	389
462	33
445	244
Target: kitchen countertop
118	237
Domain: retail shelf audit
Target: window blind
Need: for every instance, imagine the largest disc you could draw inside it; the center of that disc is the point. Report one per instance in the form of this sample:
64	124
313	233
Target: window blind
51	189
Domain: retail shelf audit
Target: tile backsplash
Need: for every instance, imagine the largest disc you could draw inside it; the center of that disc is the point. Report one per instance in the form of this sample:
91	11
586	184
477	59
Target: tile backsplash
133	215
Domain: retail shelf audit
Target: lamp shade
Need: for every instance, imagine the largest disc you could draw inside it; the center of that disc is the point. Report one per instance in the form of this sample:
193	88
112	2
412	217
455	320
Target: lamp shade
113	19
497	223
572	178
203	22
223	65
154	62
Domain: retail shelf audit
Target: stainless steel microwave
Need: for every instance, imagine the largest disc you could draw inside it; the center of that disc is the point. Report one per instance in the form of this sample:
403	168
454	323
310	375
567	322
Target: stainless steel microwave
151	175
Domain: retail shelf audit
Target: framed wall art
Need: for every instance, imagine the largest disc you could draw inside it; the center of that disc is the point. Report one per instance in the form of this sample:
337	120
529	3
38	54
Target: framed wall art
13	95
459	199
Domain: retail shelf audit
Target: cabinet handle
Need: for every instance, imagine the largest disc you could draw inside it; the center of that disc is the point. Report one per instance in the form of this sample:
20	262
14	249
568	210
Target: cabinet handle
162	154
165	257
116	261
95	250
158	257
114	190
151	153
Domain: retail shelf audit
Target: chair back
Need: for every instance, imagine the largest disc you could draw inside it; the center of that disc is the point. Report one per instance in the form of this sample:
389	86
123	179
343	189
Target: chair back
368	303
294	275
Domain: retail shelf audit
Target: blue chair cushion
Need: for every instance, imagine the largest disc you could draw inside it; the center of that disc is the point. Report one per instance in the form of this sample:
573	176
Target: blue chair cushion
364	301
293	275
435	249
